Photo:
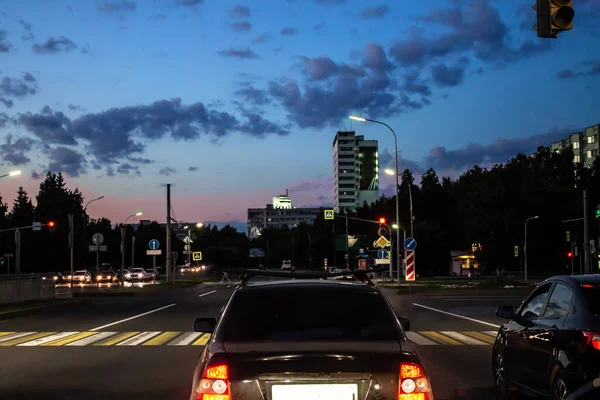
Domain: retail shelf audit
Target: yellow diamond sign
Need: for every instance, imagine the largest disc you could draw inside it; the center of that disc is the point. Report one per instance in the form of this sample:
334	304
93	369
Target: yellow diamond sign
381	242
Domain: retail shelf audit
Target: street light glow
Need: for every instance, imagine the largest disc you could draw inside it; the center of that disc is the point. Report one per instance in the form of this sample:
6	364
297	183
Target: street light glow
137	214
359	119
394	226
389	172
199	225
14	173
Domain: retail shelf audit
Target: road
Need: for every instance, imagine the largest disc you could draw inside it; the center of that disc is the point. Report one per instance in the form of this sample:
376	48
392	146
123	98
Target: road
129	348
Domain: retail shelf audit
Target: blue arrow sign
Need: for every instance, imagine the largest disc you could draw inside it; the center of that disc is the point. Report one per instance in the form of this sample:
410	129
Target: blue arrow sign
153	244
383	254
410	244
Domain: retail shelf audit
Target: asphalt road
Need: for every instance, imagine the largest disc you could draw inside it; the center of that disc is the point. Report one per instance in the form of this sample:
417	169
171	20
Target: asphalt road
130	348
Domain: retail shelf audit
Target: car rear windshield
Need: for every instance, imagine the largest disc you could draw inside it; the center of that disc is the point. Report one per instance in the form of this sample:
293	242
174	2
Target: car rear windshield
592	297
309	314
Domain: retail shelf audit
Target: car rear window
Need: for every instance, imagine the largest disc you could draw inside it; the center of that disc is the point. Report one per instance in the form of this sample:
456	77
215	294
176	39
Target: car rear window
592	297
308	314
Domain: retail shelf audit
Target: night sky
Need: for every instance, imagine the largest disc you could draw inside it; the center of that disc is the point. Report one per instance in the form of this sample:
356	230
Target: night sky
233	102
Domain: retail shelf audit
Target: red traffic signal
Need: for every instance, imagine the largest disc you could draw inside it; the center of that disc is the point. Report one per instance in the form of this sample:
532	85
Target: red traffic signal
570	255
51	224
382	220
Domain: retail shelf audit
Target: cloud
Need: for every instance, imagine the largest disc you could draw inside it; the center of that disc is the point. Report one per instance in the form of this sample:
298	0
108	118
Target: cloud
35	175
166	171
192	169
253	95
120	134
15	88
243	26
140	160
447	76
15	152
5	45
288	31
74	107
375	58
499	151
54	45
264	38
27	26
241	53
587	68
110	7
319	26
188	3
239	11
64	159
386	160
127	169
374	11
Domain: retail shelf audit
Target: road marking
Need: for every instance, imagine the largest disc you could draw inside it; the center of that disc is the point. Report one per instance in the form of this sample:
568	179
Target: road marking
161	339
441	338
116	339
202	341
185	339
92	339
491	333
463	338
456	315
207	293
228	286
26	338
418	339
130	318
47	339
139	339
15	335
69	339
6	333
481	336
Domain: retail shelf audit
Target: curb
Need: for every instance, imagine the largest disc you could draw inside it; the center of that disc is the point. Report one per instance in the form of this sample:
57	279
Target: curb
35	309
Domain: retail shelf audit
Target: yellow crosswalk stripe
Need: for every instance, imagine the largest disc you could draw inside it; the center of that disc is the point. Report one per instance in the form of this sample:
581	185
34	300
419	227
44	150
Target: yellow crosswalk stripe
481	336
69	339
202	340
27	338
438	337
6	333
161	339
116	339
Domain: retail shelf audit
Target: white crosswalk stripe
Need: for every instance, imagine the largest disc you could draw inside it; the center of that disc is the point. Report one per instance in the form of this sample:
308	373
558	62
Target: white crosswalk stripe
14	336
139	339
47	339
186	339
92	339
463	338
419	339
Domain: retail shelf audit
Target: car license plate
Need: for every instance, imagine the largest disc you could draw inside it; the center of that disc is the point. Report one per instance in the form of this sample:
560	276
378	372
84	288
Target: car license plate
346	391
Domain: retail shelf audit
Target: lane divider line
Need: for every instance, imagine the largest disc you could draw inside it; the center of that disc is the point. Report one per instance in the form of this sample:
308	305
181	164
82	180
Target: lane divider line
457	315
130	318
207	293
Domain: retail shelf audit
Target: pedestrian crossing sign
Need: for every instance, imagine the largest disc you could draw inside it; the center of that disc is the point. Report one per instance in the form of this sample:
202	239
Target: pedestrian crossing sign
197	256
328	214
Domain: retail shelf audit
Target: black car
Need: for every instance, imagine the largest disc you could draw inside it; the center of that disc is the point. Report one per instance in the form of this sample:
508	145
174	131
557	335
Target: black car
551	345
277	340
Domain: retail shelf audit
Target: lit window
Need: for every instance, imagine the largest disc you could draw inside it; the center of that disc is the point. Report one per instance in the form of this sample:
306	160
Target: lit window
575	145
576	159
591	139
589	154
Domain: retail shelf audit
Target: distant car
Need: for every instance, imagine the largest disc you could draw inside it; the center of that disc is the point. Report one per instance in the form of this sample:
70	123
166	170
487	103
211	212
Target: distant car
275	340
107	276
139	274
55	277
82	276
152	274
286	265
66	277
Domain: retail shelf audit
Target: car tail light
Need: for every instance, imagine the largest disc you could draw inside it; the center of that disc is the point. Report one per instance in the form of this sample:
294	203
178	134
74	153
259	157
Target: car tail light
413	384
214	384
592	339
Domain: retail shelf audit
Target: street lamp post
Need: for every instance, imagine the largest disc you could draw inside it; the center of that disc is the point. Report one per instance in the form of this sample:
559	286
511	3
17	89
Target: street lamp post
189	229
137	214
11	173
395	169
391	172
397	227
84	231
525	246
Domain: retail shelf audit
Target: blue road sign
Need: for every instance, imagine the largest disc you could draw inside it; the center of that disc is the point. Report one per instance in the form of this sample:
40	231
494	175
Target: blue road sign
153	244
383	254
410	244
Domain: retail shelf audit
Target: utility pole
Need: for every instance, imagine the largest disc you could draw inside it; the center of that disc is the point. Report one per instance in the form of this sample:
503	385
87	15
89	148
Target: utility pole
123	255
189	254
168	260
133	252
347	248
586	234
71	241
17	252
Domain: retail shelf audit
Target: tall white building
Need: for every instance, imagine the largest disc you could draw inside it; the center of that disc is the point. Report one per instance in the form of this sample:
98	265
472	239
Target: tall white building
355	170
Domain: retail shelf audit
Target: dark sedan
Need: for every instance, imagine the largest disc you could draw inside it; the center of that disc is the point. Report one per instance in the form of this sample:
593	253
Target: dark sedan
278	340
551	345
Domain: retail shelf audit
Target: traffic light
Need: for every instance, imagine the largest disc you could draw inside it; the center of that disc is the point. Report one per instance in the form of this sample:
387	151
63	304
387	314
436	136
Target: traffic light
381	221
570	254
51	226
553	17
598	211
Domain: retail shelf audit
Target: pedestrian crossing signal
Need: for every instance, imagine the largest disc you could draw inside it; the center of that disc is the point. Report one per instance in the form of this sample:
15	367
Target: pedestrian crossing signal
197	256
329	214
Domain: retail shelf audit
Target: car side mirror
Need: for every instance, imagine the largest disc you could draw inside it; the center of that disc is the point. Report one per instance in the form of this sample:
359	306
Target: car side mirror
206	325
506	312
404	323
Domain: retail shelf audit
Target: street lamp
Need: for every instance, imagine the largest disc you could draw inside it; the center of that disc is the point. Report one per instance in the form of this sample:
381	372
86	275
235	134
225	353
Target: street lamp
525	246
11	173
389	171
137	214
360	119
189	229
84	229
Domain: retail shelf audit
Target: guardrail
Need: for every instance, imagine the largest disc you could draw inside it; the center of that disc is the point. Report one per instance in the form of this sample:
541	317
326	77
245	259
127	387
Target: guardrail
25	287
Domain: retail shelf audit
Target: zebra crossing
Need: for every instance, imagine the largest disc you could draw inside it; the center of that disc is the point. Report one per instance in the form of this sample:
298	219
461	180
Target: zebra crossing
176	338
